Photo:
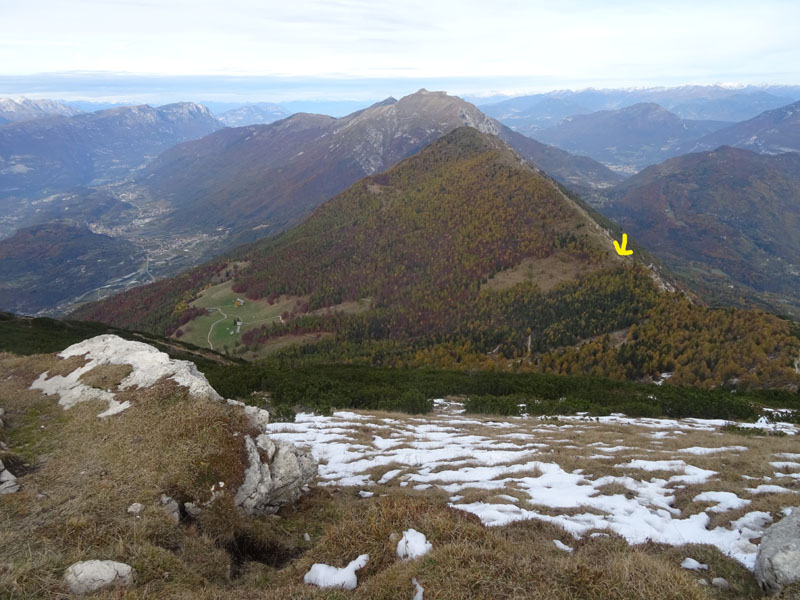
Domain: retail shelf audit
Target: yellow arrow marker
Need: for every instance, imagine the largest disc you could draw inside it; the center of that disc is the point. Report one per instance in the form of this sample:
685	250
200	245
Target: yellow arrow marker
621	249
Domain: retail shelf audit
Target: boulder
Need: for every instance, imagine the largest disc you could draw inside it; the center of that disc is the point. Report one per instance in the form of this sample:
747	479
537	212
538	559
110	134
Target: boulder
778	558
91	575
277	474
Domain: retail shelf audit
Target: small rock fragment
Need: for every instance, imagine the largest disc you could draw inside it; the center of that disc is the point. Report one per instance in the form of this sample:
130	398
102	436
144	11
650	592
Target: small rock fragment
192	509
171	507
136	509
720	583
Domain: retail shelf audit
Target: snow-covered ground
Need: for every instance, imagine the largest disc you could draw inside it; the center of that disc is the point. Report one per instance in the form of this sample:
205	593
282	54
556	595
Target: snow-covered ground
511	469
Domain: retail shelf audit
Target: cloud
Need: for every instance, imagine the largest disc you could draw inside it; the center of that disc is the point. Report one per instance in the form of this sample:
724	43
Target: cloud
630	42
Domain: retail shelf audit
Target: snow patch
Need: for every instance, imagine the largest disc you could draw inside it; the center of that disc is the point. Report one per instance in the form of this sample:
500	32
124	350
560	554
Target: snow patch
693	565
325	576
413	545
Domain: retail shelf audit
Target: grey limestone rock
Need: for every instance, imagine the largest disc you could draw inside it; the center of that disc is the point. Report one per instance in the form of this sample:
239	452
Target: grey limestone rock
171	507
136	509
8	482
720	583
778	558
276	475
91	575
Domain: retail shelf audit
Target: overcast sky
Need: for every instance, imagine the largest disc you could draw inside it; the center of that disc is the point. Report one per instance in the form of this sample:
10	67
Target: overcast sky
321	47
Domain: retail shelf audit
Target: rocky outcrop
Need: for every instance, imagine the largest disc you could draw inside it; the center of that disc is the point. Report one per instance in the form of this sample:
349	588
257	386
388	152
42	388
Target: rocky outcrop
147	363
778	559
277	475
92	575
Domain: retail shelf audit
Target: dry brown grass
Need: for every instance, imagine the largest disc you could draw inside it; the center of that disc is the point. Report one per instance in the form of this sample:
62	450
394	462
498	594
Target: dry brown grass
106	377
546	273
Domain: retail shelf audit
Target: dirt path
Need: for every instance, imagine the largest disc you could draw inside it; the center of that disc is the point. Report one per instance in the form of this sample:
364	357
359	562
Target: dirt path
211	329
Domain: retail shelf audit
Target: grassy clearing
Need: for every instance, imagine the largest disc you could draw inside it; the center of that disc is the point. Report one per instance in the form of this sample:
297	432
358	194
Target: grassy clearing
252	313
546	273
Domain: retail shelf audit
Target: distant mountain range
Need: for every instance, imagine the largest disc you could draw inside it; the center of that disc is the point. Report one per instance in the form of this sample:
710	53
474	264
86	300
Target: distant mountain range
26	109
45	265
627	139
771	132
726	220
261	113
528	114
48	155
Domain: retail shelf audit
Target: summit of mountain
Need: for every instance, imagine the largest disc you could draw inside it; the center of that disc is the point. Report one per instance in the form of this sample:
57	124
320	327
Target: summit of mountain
259	180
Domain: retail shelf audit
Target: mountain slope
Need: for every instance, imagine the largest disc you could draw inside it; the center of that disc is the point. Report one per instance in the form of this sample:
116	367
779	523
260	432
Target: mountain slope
56	153
627	139
460	256
727	219
771	132
44	265
258	180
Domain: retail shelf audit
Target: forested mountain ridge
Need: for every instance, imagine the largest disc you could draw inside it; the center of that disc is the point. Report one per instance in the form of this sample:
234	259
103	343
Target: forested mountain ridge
726	220
463	255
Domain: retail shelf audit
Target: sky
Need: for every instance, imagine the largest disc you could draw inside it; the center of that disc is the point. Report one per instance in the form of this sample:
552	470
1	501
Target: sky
369	49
